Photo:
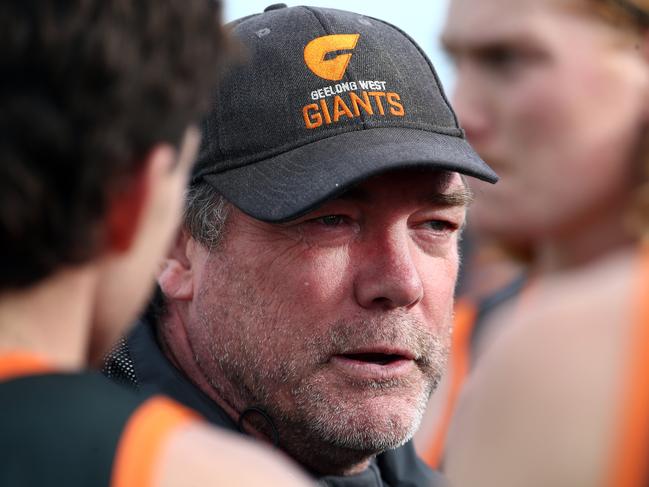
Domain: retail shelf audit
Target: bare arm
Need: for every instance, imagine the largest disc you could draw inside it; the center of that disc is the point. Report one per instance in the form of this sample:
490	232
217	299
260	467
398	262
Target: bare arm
197	455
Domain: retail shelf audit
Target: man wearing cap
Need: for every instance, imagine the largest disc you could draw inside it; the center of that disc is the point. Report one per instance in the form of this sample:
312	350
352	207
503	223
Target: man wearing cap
308	299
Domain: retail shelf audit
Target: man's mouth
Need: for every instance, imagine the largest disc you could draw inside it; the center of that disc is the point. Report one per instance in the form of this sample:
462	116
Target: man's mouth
374	357
374	363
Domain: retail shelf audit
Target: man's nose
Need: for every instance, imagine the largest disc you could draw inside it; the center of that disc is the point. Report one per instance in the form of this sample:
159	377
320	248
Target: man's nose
388	276
470	107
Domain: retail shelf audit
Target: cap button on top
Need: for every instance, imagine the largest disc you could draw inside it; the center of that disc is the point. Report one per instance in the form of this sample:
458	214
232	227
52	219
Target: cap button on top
275	6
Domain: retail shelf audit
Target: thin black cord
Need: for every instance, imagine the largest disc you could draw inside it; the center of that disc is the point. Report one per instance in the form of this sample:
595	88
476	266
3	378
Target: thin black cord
267	418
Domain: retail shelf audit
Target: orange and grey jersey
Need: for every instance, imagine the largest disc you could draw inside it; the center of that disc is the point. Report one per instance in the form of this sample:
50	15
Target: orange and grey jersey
629	465
469	326
78	429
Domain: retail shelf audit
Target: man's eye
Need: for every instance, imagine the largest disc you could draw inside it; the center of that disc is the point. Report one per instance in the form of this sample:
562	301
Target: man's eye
501	59
441	226
508	61
330	220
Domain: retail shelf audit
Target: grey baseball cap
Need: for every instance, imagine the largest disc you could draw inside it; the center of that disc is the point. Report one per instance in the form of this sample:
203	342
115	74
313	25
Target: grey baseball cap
324	100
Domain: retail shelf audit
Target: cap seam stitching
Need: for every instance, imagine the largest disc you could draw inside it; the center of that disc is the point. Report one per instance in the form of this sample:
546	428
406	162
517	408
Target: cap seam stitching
347	76
220	126
430	66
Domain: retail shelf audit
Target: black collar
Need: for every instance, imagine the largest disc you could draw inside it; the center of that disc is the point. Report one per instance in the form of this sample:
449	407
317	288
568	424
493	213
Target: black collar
156	374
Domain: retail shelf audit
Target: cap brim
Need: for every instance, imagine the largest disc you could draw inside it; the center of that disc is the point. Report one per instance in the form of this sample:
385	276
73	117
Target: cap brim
293	183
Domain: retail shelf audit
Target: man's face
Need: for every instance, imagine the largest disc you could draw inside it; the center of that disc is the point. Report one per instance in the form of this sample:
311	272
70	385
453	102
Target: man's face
336	323
552	97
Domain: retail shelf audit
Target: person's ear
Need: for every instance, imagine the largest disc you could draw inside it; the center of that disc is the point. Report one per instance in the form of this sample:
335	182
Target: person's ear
643	47
127	205
175	278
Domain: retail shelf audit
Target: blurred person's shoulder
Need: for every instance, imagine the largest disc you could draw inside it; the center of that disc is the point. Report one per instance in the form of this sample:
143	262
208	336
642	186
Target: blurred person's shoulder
570	302
549	383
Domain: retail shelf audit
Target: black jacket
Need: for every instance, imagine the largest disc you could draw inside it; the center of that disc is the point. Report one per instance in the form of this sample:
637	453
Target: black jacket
139	361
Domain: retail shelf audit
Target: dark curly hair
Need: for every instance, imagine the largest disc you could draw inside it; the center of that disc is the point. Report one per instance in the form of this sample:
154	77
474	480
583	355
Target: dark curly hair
87	88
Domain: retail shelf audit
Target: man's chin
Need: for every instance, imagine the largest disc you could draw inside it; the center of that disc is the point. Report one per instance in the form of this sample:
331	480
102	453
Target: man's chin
371	424
333	432
371	438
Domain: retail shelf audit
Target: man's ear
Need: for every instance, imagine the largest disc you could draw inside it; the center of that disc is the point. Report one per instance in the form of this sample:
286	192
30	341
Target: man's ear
176	277
127	205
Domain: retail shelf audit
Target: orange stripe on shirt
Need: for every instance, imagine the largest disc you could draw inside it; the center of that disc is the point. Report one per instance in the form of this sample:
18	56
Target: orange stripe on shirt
460	362
20	364
630	458
143	438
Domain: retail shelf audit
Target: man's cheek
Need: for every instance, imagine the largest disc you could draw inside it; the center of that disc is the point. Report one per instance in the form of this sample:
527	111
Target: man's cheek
439	295
324	278
439	275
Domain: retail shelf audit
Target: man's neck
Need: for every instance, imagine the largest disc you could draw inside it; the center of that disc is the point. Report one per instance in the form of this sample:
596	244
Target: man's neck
583	243
175	344
51	319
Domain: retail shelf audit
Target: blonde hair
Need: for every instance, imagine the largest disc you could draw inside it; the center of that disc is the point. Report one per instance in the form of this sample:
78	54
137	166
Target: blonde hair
622	13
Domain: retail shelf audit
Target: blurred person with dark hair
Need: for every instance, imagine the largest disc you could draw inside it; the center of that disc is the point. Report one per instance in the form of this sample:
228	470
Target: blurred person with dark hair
555	95
97	136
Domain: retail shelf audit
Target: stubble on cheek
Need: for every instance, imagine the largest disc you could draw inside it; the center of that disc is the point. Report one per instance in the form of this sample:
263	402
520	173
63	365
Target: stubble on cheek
259	352
246	341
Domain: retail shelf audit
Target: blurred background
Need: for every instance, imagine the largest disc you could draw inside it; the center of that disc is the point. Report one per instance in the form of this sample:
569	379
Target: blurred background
421	20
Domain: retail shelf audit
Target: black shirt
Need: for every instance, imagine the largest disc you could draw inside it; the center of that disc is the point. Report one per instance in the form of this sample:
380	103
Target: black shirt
139	360
61	429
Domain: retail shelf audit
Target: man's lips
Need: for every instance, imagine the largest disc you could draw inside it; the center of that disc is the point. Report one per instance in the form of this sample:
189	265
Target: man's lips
381	362
378	353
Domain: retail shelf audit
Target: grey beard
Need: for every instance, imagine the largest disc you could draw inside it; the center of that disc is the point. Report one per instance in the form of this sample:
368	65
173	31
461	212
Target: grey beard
313	416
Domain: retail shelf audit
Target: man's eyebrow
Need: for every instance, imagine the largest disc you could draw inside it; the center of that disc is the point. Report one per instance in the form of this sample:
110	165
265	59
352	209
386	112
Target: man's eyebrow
354	194
481	45
458	197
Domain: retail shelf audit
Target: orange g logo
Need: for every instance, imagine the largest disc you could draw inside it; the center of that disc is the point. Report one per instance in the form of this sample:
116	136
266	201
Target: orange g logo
331	69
